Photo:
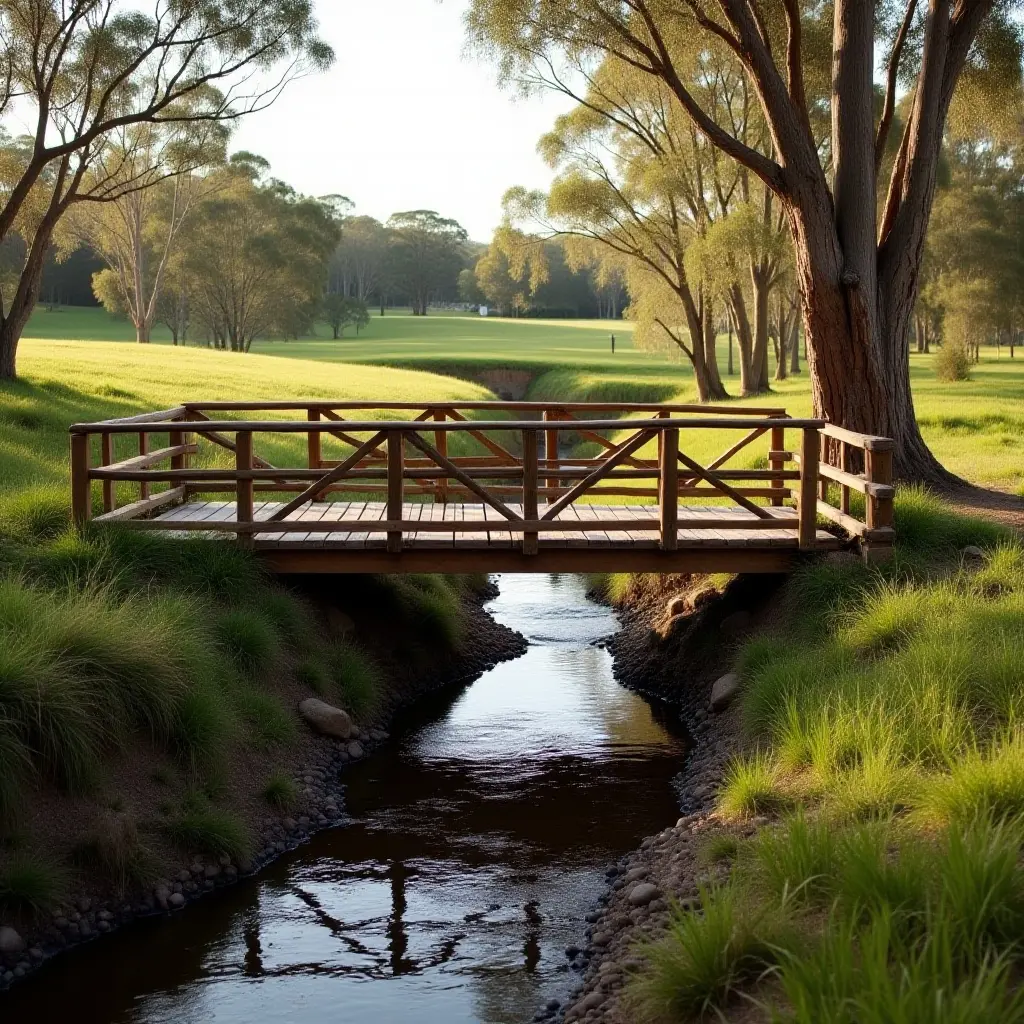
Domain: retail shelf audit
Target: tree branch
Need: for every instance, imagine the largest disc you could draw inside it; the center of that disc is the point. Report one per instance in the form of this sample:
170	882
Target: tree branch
892	80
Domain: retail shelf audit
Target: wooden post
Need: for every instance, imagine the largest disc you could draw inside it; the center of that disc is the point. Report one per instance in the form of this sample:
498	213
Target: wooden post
529	488
807	505
106	458
668	488
313	440
844	492
143	450
243	483
551	449
878	469
81	485
396	485
776	461
823	457
441	444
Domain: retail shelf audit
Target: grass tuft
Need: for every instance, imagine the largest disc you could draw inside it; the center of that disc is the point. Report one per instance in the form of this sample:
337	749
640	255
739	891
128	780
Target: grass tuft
30	885
204	829
752	786
281	792
114	846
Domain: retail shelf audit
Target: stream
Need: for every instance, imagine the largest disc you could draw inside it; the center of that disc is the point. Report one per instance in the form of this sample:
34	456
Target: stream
475	843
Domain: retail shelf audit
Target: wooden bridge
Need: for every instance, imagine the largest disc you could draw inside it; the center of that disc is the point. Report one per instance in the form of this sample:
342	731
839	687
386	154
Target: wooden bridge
488	486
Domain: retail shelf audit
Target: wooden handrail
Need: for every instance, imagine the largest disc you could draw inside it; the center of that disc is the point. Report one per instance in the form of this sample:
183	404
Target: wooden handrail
515	460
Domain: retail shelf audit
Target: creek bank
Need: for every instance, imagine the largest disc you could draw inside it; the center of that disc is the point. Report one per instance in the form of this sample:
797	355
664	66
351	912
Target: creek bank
678	641
316	769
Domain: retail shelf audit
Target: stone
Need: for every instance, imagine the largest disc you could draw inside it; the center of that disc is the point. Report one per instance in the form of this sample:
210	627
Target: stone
735	624
725	688
326	719
642	894
592	1002
11	943
677	606
213	870
355	750
972	551
176	899
635	874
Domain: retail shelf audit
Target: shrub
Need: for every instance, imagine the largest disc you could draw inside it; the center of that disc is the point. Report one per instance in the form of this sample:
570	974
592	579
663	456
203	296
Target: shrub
952	361
209	830
29	884
280	792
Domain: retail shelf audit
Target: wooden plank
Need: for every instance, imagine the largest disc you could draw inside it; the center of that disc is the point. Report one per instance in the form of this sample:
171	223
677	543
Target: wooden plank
143	451
142	506
575	560
866	442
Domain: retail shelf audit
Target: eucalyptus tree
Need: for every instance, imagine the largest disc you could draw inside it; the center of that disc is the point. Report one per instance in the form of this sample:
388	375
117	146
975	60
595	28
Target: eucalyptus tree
80	71
857	261
158	173
257	259
426	253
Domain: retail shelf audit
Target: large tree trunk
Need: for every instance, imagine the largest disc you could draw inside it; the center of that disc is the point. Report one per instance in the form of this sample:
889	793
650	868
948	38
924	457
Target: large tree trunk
706	377
142	333
794	341
716	388
762	314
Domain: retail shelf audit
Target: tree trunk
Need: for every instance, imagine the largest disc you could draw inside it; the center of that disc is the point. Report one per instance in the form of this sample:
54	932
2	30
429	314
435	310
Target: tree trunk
142	333
744	339
716	389
794	341
759	353
781	367
731	371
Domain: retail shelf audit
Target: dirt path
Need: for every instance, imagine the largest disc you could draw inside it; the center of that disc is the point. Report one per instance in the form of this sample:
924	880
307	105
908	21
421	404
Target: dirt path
998	506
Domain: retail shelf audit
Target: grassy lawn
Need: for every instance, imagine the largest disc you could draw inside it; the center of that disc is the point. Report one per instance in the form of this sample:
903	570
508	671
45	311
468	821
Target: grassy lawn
64	382
975	427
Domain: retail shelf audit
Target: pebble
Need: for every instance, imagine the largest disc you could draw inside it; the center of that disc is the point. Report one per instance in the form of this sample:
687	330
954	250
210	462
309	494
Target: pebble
176	899
355	750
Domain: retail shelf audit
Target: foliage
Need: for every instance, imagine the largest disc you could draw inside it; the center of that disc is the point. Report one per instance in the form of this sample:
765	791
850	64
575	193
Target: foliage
952	361
114	846
425	255
340	312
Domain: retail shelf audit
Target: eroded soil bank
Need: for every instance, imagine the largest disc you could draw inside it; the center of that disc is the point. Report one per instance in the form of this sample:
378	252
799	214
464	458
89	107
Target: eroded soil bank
465	871
679	636
57	821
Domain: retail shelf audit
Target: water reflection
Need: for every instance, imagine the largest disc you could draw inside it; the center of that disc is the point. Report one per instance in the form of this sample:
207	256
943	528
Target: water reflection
475	847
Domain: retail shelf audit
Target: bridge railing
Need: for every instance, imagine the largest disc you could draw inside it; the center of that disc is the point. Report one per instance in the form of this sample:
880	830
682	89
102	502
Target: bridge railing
519	469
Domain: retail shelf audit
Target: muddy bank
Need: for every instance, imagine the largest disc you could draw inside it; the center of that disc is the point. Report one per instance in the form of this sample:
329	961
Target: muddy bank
57	821
679	637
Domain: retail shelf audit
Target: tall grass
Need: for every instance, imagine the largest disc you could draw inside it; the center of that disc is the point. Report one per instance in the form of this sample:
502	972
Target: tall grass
889	734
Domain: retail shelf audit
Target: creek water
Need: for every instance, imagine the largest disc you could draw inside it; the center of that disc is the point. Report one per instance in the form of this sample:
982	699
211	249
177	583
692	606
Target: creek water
475	844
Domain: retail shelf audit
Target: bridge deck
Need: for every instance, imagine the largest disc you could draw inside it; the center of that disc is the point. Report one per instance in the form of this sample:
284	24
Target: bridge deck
752	550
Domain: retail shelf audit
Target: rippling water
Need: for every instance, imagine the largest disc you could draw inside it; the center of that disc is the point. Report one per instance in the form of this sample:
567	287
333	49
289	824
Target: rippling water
476	845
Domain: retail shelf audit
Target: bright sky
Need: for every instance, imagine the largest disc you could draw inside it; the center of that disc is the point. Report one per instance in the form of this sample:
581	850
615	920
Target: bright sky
404	120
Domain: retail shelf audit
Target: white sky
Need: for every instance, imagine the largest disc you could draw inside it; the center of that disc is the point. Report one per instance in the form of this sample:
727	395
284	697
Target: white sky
404	120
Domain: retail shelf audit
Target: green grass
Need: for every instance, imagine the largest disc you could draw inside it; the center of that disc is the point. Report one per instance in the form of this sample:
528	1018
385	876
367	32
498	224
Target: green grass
280	792
30	885
889	757
114	846
204	829
975	427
